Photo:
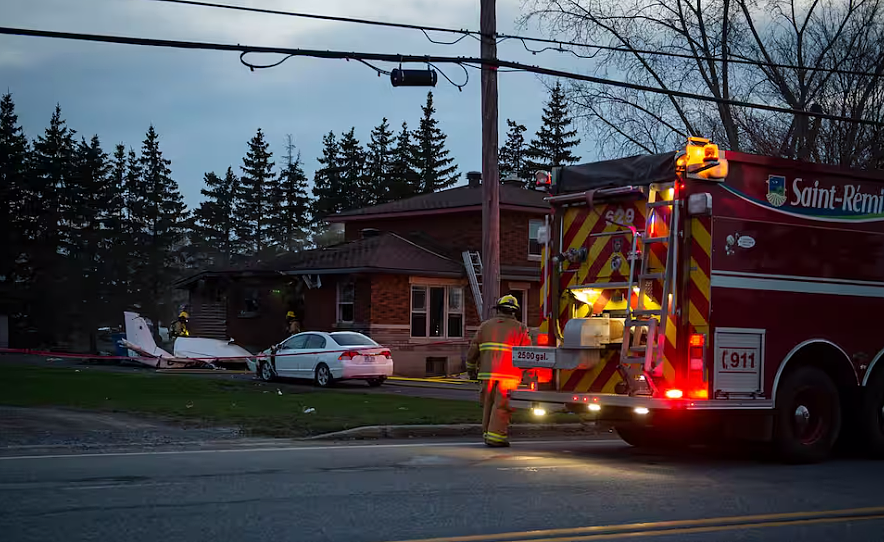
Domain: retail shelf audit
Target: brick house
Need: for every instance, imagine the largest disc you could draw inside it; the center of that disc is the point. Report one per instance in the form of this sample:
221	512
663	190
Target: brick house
399	277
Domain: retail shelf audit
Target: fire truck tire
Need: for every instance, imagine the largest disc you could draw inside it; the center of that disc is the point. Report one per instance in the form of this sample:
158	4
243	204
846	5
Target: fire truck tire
808	416
872	415
645	437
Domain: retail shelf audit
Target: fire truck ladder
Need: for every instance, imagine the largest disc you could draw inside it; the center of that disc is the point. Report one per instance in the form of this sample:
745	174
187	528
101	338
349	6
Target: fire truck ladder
638	362
473	263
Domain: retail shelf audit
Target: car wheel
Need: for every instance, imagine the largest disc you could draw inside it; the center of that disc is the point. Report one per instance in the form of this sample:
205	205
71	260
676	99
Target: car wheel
808	416
872	415
266	372
323	376
375	382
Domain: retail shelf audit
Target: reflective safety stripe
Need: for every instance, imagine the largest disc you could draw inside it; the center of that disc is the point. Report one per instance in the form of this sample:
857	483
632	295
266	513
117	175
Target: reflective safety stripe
499	347
497	376
495	437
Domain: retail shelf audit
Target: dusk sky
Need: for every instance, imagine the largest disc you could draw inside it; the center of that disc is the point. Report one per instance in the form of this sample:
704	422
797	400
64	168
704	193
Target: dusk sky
206	105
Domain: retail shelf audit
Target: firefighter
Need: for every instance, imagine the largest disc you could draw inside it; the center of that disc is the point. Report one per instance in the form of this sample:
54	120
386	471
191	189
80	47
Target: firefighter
292	326
179	328
490	358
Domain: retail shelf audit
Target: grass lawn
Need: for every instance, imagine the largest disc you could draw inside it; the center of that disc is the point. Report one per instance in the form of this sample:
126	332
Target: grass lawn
256	407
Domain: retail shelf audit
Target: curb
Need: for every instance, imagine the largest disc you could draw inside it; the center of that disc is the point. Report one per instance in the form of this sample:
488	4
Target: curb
433	385
374	432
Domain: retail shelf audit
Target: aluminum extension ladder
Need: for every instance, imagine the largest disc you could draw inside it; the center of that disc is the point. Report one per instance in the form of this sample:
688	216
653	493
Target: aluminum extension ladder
473	262
639	362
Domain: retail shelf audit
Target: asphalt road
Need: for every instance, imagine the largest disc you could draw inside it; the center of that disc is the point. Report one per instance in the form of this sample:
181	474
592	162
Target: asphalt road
561	490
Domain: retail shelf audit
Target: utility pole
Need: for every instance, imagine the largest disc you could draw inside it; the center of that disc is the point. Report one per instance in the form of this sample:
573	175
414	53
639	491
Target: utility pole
490	175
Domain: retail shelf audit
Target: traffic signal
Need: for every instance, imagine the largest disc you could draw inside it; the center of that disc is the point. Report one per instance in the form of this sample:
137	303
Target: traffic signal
413	78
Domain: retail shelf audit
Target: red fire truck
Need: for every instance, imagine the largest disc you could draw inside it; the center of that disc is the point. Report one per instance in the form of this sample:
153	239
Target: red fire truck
705	294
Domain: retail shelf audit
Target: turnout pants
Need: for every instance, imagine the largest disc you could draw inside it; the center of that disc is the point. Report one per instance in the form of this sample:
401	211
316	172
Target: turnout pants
496	412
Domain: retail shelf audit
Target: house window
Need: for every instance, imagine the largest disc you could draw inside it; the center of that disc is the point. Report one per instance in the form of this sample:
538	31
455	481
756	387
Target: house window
534	246
346	298
250	303
437	311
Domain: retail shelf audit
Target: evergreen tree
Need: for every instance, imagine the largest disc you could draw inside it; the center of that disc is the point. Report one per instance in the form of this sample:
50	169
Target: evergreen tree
253	203
82	215
353	186
290	221
47	193
330	199
162	221
135	196
404	179
511	158
379	164
116	241
436	169
215	219
555	140
14	150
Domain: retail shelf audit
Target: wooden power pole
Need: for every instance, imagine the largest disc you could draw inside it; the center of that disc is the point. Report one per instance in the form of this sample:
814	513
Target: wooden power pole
490	174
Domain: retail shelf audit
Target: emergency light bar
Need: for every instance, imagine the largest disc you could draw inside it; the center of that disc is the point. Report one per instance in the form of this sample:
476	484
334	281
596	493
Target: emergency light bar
702	160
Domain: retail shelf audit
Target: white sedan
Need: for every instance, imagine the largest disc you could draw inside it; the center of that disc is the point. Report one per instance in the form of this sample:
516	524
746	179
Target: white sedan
326	357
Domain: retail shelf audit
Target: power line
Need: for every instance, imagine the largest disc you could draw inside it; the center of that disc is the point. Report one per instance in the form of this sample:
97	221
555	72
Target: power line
558	46
423	59
353	20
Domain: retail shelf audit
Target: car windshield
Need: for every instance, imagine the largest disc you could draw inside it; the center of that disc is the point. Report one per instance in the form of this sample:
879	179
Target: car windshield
352	339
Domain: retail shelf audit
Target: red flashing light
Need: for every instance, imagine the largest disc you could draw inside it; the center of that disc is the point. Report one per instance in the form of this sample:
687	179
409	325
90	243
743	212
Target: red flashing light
698	339
543	340
674	394
585	399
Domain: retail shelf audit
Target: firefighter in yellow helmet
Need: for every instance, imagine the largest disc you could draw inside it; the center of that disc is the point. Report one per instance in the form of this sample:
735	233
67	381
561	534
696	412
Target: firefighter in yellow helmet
490	358
179	328
292	326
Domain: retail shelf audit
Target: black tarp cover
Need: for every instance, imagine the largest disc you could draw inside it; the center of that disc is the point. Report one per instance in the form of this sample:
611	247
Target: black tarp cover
634	170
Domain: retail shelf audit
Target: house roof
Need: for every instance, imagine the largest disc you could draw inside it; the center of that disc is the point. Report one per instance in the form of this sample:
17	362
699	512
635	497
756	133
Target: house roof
456	199
381	253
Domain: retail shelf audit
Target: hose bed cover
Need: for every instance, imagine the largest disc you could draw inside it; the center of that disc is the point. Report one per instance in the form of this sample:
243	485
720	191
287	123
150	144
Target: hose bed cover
635	170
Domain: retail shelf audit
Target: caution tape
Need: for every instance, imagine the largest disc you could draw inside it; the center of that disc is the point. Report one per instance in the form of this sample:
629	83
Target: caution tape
256	357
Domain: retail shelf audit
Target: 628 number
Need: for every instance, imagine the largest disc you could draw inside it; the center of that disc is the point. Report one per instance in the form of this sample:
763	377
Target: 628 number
620	216
736	360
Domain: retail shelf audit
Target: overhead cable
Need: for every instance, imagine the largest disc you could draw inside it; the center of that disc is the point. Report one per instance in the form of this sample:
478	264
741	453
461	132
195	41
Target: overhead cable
556	45
423	59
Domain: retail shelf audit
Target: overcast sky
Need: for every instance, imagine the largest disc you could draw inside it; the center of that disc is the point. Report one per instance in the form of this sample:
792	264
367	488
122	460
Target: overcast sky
206	105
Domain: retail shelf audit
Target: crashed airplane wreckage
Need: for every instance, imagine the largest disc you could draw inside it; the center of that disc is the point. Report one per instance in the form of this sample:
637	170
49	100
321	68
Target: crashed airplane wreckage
188	352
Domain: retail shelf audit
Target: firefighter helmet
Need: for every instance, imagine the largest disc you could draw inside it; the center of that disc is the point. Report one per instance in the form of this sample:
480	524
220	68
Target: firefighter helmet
508	303
290	314
183	315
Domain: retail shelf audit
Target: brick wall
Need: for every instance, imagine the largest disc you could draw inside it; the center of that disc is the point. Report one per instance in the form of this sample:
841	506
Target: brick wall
320	311
390	300
266	326
460	231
